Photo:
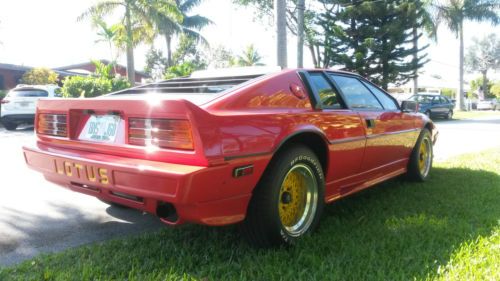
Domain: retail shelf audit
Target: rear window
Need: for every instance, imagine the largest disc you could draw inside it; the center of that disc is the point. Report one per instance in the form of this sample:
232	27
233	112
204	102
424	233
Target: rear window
28	93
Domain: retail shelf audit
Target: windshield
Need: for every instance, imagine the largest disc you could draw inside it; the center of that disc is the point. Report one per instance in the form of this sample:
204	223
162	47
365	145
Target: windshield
28	93
422	99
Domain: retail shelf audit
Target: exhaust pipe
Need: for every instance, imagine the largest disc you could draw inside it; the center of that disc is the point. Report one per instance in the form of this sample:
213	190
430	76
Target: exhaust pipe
166	211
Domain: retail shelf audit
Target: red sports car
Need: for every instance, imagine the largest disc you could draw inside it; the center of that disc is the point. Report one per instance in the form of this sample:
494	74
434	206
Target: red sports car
267	150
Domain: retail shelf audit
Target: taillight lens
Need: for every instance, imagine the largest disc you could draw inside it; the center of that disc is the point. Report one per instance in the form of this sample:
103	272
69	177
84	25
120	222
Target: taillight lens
4	101
165	133
52	124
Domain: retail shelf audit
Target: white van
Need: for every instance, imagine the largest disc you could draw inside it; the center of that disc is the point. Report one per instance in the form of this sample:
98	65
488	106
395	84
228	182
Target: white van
19	106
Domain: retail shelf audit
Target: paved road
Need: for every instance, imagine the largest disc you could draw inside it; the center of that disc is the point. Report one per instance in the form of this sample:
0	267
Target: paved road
37	216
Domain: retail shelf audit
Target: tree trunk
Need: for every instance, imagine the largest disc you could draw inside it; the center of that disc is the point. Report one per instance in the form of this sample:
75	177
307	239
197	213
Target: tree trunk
300	33
168	40
415	60
130	47
280	22
485	83
460	96
313	54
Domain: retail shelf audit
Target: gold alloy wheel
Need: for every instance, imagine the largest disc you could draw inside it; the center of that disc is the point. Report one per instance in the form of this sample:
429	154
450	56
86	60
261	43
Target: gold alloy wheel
425	156
298	200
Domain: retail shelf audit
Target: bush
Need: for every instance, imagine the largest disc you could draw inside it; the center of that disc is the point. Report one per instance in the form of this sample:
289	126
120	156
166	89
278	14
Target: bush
87	87
495	90
3	94
90	86
119	83
181	70
449	93
39	76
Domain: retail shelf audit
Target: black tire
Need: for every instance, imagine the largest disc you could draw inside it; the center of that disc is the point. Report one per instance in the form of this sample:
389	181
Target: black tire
420	162
449	115
10	126
275	207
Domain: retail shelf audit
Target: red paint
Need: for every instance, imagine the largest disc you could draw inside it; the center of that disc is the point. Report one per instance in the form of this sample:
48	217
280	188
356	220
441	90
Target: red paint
242	128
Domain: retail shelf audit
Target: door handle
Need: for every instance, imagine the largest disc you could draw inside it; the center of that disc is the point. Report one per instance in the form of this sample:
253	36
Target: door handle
370	123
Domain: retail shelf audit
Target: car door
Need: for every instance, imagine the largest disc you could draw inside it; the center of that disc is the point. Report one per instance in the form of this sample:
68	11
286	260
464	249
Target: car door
344	130
388	130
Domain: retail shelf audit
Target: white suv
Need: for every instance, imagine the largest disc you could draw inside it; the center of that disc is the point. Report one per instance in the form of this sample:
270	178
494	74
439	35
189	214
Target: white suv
19	106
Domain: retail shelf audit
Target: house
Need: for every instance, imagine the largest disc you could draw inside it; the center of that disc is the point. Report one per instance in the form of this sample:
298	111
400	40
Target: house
11	74
89	67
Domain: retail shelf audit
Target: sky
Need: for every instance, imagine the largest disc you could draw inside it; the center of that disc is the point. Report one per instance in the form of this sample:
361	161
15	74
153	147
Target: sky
46	33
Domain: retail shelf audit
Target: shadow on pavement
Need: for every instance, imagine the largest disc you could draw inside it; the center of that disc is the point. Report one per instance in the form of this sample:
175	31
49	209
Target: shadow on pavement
27	235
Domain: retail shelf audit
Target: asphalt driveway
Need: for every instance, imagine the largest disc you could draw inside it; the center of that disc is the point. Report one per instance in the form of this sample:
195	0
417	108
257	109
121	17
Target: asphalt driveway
39	217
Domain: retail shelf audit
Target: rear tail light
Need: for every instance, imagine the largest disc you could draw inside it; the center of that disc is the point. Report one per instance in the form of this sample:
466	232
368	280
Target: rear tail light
52	124
165	133
4	101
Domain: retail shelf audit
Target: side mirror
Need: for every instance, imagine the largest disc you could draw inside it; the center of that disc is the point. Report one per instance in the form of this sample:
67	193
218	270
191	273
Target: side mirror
409	106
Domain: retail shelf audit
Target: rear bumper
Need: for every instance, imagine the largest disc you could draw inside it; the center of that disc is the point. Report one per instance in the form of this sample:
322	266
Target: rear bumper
144	185
19	118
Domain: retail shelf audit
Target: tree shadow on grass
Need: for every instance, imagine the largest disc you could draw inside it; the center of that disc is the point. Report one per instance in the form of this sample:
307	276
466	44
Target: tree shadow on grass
395	231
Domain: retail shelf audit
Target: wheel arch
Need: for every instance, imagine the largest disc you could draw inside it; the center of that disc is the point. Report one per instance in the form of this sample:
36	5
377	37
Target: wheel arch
312	139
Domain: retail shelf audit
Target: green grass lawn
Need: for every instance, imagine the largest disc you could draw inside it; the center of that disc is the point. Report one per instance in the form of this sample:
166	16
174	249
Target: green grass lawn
474	114
447	229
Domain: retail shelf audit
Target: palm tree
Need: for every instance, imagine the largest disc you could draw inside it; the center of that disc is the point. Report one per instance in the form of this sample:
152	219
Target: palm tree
183	24
250	57
280	22
424	20
107	34
131	11
453	13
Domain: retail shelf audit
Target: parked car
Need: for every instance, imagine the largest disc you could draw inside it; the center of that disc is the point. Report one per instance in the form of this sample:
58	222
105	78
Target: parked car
19	106
488	104
268	150
434	106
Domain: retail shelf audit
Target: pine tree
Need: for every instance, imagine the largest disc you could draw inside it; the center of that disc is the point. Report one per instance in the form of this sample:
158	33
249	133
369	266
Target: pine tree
373	38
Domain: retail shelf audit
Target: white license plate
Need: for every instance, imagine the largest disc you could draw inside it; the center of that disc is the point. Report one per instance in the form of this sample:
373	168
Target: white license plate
100	128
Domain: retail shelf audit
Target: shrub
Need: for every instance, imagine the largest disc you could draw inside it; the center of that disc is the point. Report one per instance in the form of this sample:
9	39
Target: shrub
181	70
39	76
495	89
90	86
87	87
3	94
119	83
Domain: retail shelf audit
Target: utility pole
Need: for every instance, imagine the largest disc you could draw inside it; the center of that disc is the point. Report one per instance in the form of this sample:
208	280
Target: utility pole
300	33
280	23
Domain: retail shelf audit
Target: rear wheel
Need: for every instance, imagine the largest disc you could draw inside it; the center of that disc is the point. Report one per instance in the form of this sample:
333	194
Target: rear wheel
288	201
421	158
10	126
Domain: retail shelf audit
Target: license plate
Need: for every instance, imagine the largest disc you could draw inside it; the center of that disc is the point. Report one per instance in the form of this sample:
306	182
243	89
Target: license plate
24	103
101	128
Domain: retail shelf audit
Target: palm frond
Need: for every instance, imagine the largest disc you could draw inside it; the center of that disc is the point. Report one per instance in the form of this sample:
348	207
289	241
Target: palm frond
100	9
187	5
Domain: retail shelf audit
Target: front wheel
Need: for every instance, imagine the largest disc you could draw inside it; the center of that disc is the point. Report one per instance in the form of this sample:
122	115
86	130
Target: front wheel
421	157
449	115
288	201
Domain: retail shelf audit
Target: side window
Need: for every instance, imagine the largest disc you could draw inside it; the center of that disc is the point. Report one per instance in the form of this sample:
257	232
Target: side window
436	100
357	96
444	100
329	96
387	102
